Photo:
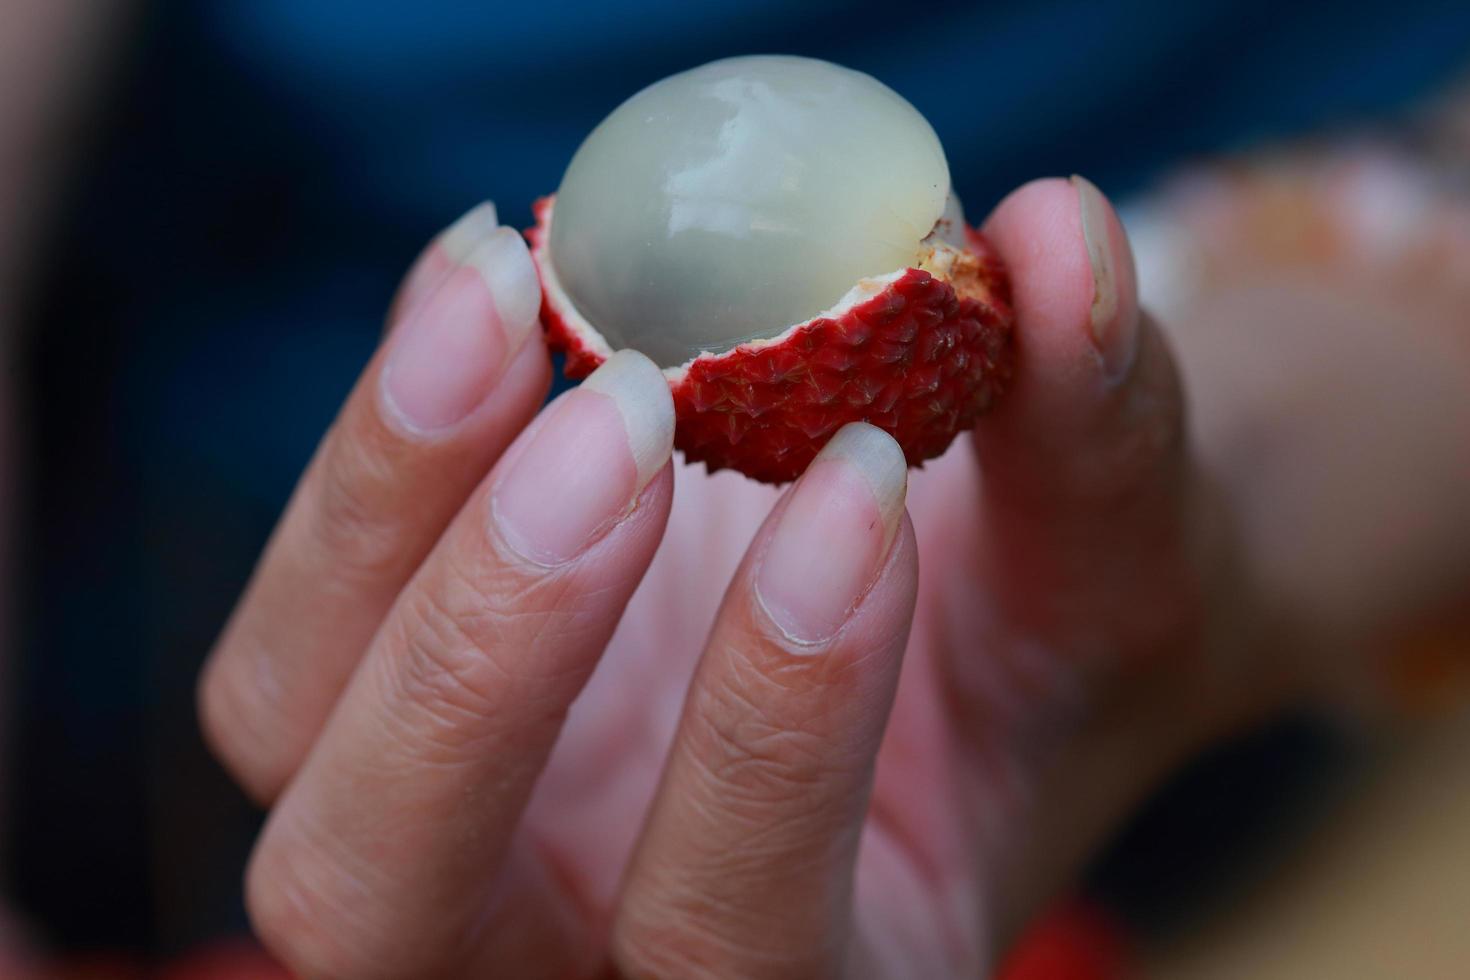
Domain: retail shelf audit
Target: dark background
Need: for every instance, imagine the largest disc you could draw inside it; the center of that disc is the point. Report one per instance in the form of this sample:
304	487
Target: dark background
256	178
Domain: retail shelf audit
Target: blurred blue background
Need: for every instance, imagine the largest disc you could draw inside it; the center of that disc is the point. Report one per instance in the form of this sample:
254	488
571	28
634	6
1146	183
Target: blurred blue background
260	174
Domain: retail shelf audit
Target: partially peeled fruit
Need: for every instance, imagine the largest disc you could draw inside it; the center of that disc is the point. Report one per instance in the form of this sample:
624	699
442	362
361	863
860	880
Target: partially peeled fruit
779	235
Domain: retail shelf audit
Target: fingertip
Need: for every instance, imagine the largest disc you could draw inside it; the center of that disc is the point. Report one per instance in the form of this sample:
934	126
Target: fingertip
877	457
504	263
1037	229
1072	279
888	607
641	393
584	465
657	498
444	253
471	228
833	538
1095	401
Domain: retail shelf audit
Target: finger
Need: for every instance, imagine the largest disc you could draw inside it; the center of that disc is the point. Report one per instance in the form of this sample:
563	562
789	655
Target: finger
745	865
1103	568
380	860
1085	478
449	390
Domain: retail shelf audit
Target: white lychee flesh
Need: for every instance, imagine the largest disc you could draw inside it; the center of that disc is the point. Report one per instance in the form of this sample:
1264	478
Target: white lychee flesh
726	203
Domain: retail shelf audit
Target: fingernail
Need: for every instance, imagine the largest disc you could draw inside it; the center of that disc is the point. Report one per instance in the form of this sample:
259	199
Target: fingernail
586	462
452	349
475	225
834	534
451	248
504	263
1114	314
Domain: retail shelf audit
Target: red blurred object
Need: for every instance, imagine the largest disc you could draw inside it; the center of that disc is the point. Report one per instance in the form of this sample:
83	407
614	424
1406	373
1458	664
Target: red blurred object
92	966
227	960
1074	940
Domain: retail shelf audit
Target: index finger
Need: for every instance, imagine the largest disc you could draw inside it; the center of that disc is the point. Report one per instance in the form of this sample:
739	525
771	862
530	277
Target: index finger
384	856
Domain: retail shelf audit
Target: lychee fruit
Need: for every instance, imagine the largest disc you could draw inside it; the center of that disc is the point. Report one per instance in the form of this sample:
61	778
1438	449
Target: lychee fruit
779	235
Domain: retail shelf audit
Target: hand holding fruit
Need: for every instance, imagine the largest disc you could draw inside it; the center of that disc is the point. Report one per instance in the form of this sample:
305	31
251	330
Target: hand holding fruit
527	697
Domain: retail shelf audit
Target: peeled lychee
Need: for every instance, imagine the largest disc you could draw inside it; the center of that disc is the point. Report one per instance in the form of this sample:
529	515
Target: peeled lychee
779	235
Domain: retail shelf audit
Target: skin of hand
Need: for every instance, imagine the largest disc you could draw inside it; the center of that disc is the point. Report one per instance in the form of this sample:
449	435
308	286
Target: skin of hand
527	698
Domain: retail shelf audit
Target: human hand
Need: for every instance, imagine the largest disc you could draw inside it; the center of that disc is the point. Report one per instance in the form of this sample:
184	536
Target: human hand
398	681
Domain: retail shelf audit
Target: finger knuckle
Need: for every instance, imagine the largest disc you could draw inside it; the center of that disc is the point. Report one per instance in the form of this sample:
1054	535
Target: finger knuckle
656	955
451	655
351	518
689	940
303	916
461	659
753	756
233	726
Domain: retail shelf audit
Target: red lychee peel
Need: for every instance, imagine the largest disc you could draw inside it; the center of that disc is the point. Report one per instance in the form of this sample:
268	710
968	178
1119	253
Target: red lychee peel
916	359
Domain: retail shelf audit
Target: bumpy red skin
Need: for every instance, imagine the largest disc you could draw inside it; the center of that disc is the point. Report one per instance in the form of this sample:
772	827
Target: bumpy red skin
916	360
